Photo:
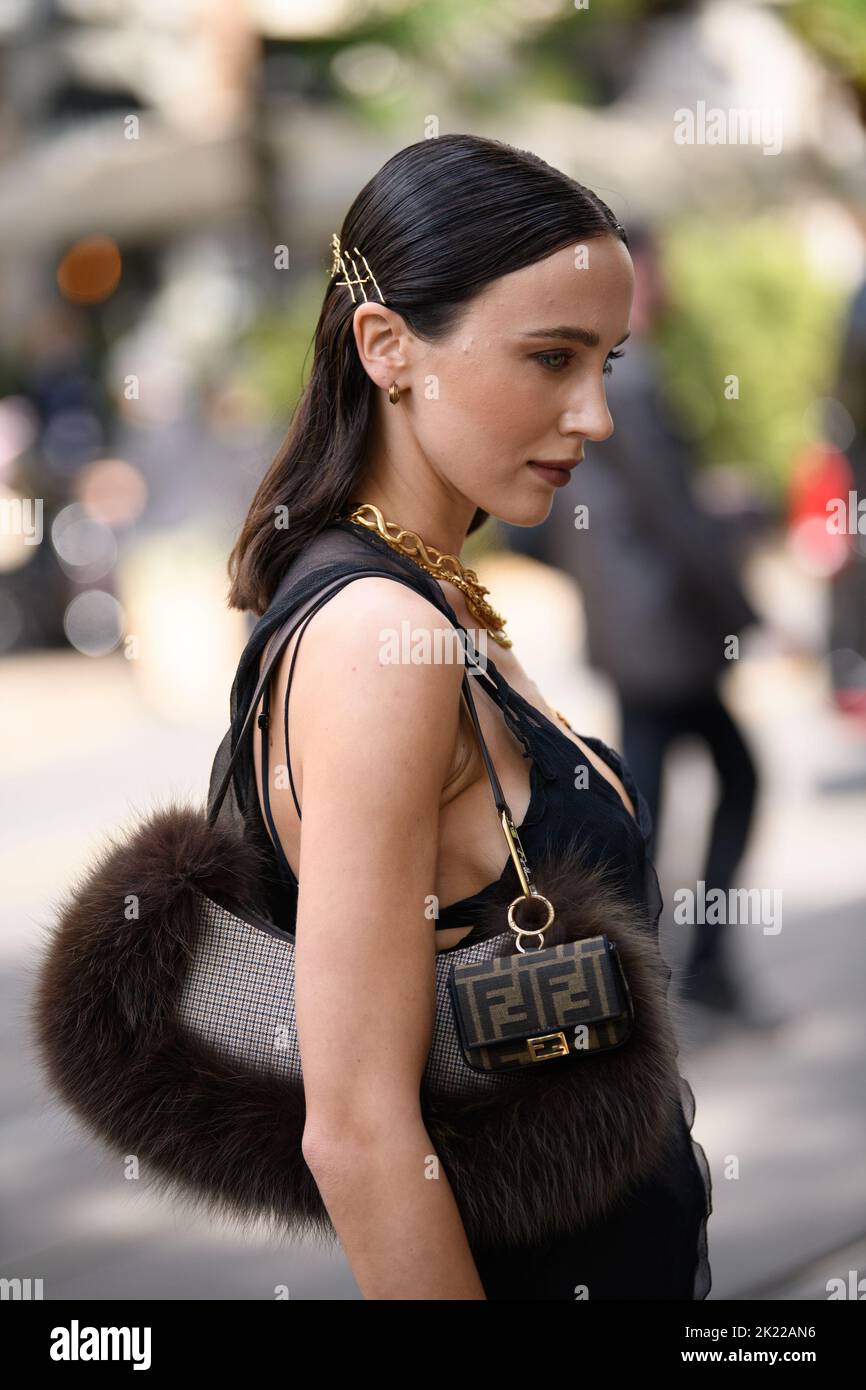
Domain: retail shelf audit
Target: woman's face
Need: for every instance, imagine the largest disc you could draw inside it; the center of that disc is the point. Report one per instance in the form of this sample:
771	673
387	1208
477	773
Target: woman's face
521	381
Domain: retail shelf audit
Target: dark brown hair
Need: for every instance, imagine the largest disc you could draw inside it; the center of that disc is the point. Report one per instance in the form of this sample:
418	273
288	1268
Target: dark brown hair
438	222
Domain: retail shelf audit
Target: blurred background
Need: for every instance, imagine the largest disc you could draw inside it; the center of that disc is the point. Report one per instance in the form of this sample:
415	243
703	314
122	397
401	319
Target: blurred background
170	175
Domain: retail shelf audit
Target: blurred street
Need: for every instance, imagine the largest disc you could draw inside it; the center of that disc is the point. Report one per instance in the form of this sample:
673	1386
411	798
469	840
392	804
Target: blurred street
789	1105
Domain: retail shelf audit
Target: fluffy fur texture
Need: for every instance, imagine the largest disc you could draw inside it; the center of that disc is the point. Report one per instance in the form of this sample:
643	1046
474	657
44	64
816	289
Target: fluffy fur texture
563	1148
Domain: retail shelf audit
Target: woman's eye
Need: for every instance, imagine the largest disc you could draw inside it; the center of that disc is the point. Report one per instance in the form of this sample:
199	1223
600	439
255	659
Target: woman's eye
542	356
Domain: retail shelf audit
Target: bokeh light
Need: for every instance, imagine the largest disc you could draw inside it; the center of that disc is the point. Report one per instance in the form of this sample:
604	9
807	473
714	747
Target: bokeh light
93	623
90	271
112	491
85	547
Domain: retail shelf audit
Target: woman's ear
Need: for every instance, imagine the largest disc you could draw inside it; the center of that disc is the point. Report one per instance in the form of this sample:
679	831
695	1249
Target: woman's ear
382	339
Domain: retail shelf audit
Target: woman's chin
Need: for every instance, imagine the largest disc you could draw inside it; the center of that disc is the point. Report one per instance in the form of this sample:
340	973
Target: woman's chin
529	511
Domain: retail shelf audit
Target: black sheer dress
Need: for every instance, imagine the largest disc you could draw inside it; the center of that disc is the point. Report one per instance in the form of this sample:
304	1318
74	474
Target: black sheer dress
653	1244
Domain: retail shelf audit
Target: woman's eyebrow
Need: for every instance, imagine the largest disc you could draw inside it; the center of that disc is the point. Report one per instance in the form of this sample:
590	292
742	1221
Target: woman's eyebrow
586	336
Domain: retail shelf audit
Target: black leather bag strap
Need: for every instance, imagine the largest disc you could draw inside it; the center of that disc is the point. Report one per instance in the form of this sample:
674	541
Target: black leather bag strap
277	645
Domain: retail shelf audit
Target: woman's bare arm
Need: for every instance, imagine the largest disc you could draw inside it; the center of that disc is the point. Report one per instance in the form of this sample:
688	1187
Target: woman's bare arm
371	745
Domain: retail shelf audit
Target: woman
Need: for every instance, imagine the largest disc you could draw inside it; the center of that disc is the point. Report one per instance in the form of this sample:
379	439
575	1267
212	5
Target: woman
476	300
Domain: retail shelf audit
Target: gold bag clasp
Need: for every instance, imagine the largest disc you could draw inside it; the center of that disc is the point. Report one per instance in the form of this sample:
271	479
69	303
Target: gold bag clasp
549	1045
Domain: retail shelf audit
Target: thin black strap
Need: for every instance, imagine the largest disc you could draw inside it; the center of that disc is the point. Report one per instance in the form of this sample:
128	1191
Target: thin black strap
279	643
263	723
286	709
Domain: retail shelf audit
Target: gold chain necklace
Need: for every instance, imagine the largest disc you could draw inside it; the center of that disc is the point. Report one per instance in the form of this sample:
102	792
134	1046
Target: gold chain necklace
434	562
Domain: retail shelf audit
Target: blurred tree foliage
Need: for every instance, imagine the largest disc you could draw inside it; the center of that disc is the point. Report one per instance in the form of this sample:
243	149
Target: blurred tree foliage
276	352
746	303
480	56
486	54
836	29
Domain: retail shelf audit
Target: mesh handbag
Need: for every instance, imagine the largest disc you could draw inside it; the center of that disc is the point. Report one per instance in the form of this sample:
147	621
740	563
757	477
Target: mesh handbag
551	1086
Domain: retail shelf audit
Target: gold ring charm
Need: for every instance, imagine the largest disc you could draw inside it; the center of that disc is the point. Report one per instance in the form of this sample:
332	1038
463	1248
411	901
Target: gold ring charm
534	931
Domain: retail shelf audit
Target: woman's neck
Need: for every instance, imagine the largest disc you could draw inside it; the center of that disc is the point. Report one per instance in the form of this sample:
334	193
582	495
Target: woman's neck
437	525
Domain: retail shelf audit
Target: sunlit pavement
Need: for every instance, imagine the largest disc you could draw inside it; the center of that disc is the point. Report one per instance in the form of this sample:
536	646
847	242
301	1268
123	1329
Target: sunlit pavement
781	1116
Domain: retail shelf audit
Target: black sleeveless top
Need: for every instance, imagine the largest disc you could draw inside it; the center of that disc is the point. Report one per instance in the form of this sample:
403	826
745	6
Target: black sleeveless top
656	1242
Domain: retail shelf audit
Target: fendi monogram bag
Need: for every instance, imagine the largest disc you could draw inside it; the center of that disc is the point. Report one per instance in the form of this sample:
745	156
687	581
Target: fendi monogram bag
515	1011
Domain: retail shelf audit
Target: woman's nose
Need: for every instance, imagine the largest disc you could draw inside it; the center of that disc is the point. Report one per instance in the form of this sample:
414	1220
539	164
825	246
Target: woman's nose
589	416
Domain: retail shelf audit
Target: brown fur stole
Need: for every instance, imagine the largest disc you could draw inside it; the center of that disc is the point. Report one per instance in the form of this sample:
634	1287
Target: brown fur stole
557	1154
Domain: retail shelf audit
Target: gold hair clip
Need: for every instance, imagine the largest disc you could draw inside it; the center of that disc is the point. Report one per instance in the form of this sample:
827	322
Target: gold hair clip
339	263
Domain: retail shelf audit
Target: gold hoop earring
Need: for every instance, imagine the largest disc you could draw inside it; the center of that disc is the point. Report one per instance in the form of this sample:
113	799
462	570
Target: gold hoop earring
394	393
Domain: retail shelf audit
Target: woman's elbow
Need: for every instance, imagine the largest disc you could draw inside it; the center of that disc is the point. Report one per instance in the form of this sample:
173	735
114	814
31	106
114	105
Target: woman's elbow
339	1135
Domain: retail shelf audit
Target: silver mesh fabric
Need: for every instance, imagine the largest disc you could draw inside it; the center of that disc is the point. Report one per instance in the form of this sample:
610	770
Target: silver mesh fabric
239	998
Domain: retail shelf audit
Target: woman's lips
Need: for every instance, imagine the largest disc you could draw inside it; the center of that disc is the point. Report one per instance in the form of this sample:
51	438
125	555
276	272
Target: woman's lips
556	476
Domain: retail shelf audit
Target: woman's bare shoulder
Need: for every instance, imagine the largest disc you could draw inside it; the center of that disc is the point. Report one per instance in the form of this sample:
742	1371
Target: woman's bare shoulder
377	652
